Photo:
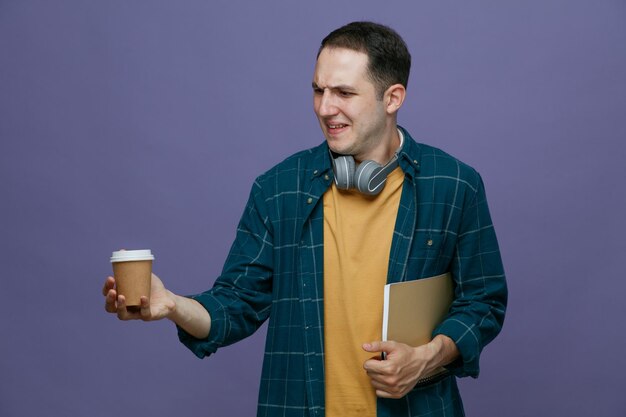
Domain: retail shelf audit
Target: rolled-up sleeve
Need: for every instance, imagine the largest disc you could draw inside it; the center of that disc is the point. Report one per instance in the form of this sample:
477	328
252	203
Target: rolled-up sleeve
240	300
477	313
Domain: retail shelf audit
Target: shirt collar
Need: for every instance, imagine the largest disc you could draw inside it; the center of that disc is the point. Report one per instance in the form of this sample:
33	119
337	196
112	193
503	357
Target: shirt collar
409	157
410	154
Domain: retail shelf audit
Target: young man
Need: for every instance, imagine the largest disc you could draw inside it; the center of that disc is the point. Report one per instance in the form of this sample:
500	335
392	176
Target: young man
326	229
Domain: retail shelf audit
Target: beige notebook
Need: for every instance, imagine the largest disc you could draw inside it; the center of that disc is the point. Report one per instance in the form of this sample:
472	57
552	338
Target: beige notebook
412	309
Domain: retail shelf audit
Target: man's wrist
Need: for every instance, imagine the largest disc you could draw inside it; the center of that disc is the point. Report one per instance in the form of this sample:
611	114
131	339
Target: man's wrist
445	350
191	316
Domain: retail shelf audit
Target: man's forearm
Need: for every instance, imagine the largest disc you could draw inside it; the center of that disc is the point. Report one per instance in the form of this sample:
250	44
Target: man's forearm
191	316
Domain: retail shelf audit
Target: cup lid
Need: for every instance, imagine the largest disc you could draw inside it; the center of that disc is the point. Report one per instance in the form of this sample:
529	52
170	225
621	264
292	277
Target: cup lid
132	255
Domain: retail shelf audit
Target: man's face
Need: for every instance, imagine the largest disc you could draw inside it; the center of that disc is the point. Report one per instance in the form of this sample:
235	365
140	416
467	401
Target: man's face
345	101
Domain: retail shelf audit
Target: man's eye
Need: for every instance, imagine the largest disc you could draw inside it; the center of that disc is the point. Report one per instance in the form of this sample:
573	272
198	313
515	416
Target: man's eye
346	93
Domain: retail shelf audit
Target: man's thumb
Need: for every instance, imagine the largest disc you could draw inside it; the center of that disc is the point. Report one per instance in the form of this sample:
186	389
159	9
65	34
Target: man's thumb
375	346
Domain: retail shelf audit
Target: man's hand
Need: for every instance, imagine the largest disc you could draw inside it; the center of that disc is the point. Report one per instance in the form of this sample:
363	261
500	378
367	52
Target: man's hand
405	365
160	305
185	312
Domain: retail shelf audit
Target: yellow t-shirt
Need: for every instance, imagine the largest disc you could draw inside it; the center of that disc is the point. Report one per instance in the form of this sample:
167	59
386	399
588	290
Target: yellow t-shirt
357	241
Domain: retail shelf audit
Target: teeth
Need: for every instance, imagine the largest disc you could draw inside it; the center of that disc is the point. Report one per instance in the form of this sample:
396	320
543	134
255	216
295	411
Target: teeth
336	126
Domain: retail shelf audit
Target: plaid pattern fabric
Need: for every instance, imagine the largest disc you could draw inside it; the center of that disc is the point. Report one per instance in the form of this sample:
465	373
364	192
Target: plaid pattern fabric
275	270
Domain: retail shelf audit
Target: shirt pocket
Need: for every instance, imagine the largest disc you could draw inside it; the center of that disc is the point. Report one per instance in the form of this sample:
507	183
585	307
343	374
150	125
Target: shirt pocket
427	257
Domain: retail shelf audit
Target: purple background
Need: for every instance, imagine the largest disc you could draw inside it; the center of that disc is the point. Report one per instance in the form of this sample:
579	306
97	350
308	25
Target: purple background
142	124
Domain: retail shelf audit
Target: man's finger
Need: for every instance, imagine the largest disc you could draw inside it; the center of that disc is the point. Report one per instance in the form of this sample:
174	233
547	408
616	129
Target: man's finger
381	389
385	391
385	394
121	308
382	394
109	283
371	347
375	367
144	308
379	346
109	302
122	311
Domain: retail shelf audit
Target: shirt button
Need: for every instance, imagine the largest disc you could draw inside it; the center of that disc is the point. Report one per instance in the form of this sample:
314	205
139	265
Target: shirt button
310	200
326	177
415	161
429	242
315	172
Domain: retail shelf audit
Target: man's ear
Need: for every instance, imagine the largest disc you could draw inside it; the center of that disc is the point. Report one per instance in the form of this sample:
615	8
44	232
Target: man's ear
394	97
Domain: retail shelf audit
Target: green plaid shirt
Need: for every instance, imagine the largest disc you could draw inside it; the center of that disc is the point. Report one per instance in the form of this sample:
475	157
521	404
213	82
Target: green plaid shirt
275	270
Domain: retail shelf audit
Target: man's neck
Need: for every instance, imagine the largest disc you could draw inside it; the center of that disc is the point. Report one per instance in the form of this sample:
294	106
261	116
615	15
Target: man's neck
389	144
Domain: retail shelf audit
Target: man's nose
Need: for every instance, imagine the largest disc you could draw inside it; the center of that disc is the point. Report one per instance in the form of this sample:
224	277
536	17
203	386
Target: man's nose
327	106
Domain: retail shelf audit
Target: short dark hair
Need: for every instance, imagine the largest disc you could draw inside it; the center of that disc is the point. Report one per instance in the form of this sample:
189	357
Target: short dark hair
389	60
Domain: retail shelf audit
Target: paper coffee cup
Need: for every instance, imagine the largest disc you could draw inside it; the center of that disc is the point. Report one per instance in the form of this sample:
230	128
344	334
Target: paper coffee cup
132	270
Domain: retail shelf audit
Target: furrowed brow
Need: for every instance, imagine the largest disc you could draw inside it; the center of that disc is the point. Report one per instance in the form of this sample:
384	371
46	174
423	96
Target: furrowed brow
341	87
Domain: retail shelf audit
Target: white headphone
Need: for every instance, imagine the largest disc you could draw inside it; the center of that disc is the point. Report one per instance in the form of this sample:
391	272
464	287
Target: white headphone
369	177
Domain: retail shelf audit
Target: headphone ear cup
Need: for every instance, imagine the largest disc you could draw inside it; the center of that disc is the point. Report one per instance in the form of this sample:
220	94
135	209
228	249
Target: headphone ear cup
363	176
344	172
